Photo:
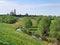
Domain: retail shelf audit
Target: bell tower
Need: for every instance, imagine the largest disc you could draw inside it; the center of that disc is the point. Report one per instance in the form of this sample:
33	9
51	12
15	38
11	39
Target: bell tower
14	11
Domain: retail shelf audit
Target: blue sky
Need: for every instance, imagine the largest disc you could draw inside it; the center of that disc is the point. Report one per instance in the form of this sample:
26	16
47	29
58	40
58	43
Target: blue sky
38	7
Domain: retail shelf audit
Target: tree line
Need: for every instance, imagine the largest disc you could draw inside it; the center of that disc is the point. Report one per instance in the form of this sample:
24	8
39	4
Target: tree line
47	26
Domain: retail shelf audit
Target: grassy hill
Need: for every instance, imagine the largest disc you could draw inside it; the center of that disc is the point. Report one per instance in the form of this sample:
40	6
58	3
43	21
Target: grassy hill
9	36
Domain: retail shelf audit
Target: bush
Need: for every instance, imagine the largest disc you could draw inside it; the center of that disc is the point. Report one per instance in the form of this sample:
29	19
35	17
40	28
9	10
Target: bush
43	26
8	19
26	23
55	28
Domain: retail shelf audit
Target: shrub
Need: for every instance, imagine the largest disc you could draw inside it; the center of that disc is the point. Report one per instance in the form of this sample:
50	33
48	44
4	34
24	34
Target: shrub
8	19
26	23
43	26
55	28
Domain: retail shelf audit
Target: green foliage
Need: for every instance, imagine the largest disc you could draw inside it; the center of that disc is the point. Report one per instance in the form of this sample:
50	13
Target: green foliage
55	28
38	20
43	25
26	23
8	19
9	36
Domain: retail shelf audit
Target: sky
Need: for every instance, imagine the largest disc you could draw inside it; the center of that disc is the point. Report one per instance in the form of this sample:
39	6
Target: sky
32	7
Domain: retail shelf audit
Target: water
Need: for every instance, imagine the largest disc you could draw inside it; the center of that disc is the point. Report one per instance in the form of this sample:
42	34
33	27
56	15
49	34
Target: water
19	30
33	36
39	38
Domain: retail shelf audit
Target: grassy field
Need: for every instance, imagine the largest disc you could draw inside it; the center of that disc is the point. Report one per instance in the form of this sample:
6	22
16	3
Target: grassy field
9	36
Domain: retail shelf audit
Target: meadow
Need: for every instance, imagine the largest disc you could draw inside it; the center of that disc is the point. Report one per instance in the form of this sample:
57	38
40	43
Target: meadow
38	26
9	36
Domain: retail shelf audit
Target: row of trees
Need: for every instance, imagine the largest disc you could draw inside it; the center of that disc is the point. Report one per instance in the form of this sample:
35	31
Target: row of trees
46	26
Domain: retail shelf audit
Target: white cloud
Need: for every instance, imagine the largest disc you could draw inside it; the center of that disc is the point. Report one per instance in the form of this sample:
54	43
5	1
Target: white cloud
12	5
48	4
6	6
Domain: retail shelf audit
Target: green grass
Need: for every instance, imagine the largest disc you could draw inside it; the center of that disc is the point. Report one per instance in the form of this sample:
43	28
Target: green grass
9	36
33	29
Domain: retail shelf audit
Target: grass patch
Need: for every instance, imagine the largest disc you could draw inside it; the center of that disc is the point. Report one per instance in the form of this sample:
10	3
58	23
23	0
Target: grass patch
9	36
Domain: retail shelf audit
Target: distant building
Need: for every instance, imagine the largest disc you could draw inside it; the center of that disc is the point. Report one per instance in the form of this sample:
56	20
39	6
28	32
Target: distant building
13	12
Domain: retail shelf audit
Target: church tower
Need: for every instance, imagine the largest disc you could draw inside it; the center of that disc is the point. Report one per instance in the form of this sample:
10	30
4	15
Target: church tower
14	11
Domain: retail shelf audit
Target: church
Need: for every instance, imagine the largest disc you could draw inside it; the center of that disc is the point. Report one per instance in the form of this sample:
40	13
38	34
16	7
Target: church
13	12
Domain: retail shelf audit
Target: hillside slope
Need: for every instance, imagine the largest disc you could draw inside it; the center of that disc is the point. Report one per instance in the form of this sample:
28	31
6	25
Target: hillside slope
9	36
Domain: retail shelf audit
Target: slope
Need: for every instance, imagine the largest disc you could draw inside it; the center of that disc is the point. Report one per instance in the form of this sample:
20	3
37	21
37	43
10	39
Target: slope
9	36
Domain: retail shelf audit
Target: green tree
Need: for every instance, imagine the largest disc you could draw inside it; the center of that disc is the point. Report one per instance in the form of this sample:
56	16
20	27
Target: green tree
55	28
38	20
43	26
26	23
8	19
